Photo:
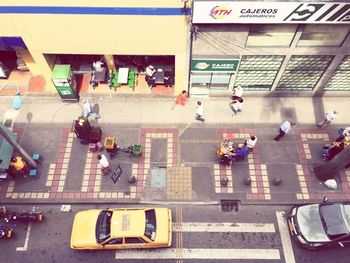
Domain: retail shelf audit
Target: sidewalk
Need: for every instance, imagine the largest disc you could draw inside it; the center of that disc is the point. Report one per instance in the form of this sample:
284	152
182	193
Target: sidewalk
175	139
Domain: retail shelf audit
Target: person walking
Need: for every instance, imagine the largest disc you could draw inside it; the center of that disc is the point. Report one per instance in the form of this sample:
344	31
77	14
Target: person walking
236	104
199	112
103	162
250	143
284	128
88	110
238	91
180	99
328	118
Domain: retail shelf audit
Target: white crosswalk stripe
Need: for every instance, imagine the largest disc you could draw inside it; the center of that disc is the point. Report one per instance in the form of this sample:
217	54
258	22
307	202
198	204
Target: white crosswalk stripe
225	227
200	253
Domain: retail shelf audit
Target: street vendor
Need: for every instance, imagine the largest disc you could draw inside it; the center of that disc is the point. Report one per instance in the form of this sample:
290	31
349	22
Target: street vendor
18	166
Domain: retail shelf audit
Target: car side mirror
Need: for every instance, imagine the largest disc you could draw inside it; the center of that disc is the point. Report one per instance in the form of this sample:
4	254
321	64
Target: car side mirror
341	244
325	199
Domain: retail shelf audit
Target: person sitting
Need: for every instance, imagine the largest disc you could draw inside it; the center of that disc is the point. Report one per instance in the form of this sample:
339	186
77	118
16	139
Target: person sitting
150	71
241	153
18	167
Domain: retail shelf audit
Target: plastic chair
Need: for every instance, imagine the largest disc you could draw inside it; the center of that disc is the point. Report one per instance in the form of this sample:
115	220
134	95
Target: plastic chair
132	79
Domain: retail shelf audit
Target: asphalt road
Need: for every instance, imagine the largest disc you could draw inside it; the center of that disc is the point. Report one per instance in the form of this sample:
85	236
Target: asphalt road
207	234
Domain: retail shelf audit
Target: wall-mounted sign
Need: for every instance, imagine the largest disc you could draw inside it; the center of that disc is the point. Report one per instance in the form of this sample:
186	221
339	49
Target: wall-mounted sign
222	12
210	65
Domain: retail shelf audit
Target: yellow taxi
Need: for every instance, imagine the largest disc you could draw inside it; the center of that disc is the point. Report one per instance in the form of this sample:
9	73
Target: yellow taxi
122	228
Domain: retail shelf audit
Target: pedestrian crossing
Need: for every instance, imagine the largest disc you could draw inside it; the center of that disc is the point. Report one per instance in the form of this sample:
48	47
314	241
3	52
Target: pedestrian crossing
181	252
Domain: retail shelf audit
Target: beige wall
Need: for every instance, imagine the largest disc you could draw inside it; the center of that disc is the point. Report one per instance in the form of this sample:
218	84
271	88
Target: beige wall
99	34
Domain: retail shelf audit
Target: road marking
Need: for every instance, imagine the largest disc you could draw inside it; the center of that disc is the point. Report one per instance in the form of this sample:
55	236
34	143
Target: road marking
285	237
225	227
25	247
202	253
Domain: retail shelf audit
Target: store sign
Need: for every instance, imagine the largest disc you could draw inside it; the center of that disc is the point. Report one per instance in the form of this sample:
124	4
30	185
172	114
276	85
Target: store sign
222	12
209	65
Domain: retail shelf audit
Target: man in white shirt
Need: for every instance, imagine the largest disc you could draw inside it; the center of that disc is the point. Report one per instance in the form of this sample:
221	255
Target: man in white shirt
199	112
284	128
87	110
103	162
328	118
250	143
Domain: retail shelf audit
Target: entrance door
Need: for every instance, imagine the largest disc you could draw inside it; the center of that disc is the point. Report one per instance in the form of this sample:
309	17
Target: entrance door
200	84
220	81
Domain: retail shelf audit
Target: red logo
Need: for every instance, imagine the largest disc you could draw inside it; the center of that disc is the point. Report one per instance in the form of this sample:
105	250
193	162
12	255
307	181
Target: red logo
220	12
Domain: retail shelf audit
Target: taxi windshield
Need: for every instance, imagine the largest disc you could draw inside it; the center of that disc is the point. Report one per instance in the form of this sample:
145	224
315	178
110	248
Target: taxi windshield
103	226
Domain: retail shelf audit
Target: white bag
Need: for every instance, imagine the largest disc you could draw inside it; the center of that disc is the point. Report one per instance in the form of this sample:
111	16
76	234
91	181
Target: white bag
331	184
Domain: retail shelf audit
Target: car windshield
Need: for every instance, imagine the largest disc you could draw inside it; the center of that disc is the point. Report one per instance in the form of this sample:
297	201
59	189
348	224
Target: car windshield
103	226
151	224
335	219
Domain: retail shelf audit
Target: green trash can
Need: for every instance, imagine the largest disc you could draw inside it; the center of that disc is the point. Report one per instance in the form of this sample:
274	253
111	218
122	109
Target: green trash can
65	83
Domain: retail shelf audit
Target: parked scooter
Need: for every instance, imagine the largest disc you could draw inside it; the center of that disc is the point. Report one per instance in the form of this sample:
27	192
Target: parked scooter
25	215
6	232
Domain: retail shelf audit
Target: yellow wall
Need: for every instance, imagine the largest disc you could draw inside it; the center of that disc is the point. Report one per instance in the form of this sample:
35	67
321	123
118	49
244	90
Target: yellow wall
99	34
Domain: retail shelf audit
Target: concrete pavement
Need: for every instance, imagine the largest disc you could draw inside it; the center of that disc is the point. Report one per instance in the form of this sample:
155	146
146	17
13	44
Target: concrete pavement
175	140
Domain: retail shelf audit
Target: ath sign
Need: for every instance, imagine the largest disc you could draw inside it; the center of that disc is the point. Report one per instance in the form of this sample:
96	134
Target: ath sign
226	12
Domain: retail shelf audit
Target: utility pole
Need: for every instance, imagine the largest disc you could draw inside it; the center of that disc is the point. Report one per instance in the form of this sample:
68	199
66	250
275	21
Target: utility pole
15	145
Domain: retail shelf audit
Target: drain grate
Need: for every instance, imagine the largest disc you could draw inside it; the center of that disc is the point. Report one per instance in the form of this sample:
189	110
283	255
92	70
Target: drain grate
230	205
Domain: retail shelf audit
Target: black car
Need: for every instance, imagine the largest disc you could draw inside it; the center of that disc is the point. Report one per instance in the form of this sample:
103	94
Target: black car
320	225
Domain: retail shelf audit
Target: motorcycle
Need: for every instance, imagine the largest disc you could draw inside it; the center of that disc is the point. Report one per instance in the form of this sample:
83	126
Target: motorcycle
6	232
25	215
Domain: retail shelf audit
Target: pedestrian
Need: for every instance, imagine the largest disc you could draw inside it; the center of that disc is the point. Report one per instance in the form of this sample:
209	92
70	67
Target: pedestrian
328	118
103	161
236	104
241	153
199	112
250	143
180	99
284	128
88	110
237	91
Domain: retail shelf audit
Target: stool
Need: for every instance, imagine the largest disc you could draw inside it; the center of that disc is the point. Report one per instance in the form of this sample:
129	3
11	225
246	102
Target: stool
99	146
34	173
92	147
37	157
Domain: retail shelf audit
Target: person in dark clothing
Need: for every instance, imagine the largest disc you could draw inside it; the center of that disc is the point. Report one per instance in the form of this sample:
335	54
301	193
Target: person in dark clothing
241	153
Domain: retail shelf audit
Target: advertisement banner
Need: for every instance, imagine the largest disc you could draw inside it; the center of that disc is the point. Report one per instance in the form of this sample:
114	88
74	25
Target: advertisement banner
210	65
223	12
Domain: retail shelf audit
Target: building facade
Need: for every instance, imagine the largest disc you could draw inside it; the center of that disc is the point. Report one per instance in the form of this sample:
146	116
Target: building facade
43	34
277	48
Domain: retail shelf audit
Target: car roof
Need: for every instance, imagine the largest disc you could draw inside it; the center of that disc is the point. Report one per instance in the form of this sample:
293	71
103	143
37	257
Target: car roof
333	216
128	223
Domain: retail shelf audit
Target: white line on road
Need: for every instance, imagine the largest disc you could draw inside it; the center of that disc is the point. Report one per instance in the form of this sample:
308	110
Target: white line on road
285	238
24	248
202	253
225	227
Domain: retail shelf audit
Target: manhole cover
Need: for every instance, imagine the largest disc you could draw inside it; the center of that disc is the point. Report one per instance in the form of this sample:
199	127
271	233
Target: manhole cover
158	177
230	205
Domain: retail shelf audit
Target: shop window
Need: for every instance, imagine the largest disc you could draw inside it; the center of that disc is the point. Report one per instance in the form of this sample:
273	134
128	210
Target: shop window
257	73
323	35
271	35
303	72
341	77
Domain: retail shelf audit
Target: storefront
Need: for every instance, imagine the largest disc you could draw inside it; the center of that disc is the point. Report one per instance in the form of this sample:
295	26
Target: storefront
282	47
118	34
212	75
